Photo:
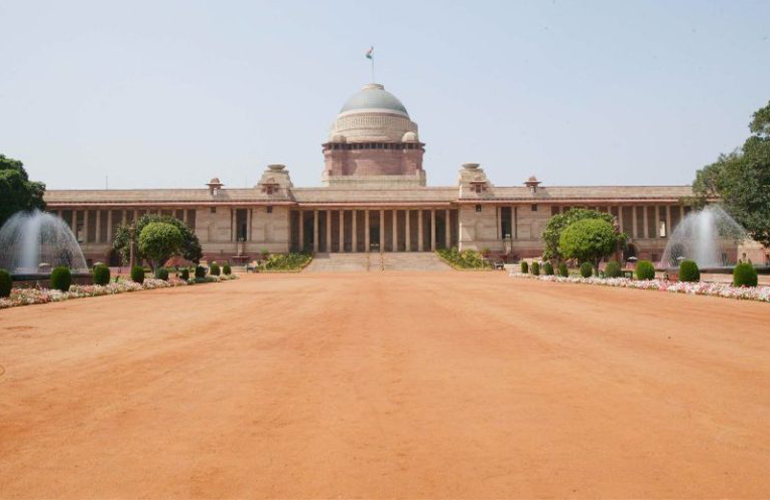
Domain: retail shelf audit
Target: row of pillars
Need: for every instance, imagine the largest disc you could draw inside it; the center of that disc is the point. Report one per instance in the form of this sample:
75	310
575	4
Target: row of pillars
421	244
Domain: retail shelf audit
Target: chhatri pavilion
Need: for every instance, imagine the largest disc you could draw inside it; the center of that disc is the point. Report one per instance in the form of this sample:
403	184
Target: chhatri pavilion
373	197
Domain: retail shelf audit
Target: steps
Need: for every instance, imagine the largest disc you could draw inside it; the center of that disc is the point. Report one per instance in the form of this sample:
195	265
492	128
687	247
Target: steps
363	262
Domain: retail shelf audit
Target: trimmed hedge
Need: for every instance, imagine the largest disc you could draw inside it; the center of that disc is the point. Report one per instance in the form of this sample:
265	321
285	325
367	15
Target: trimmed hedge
563	270
744	274
535	269
137	274
586	269
61	278
548	267
688	271
101	274
227	270
161	273
200	272
184	274
645	270
214	269
524	267
612	270
6	283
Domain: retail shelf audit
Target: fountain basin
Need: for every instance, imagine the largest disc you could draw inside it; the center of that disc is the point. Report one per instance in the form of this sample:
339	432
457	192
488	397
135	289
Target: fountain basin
43	280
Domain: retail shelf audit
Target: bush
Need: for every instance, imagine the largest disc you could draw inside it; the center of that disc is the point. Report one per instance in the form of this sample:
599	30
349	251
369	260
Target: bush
744	274
214	269
524	267
645	270
200	272
297	261
101	274
548	269
184	274
535	269
61	278
586	269
5	283
612	270
159	241
137	274
563	270
688	271
161	273
226	270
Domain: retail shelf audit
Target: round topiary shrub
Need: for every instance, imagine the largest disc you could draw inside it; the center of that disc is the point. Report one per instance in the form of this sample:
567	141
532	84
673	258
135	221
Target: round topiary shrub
226	270
563	270
101	274
645	270
548	268
137	274
214	269
5	283
586	269
744	274
688	271
184	274
535	269
524	267
61	278
161	273
200	272
612	270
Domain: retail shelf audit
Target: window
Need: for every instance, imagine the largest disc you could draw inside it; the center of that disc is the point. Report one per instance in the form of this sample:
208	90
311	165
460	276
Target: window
554	210
269	209
213	210
241	224
662	229
534	208
478	208
655	257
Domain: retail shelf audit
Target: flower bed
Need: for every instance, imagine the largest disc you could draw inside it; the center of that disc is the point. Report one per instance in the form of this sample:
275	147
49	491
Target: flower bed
759	293
30	296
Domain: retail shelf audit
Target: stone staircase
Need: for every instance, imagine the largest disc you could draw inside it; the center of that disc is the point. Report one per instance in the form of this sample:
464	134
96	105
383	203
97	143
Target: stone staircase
363	262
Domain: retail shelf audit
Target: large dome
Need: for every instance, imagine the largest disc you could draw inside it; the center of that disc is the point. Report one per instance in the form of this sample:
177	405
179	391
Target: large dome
373	98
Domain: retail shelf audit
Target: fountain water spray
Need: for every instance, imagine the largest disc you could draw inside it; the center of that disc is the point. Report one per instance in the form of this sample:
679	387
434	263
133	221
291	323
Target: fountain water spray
33	243
706	236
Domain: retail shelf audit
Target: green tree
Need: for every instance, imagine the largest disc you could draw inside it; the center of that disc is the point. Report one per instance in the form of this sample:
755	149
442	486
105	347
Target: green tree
17	192
588	240
741	180
557	223
158	242
125	233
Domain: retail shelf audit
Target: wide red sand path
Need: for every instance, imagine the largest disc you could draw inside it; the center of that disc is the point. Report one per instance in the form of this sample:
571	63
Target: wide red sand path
386	385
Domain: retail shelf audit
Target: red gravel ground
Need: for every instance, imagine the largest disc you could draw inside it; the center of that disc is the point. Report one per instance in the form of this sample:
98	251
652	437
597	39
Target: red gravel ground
382	385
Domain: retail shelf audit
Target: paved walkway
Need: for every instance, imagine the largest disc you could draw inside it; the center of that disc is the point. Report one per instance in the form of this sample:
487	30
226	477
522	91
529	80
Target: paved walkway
386	385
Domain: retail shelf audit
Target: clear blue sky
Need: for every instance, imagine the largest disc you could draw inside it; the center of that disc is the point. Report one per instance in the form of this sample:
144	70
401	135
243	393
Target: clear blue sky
170	94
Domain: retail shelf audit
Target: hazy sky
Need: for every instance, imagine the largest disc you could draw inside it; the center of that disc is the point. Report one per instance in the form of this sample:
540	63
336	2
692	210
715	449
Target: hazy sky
172	93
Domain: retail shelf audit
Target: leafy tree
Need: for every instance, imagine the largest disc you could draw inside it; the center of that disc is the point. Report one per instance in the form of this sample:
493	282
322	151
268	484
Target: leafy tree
741	180
557	223
17	192
159	241
588	240
125	233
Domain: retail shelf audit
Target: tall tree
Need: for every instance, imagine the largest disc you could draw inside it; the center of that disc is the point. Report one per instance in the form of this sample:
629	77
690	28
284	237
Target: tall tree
557	223
741	180
588	240
190	248
17	192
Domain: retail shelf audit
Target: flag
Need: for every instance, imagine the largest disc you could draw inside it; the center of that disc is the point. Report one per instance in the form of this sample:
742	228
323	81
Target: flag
369	53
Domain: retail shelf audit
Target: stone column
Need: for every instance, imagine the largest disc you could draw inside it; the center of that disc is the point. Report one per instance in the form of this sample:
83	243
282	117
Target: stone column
620	218
342	231
668	220
301	230
85	226
382	230
408	231
420	232
109	226
98	236
354	228
448	230
633	221
645	230
657	222
366	230
395	230
315	231
329	231
433	229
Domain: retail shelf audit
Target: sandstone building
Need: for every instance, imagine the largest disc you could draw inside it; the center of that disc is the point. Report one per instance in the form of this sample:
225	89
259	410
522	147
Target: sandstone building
373	197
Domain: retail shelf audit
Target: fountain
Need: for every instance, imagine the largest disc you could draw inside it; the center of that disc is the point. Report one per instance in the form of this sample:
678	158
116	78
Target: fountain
709	237
33	243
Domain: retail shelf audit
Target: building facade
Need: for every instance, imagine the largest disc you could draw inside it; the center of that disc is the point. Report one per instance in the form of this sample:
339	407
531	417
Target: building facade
373	197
